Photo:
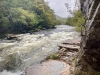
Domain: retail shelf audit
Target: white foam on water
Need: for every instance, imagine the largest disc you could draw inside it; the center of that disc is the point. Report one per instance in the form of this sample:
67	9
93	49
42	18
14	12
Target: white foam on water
33	48
9	73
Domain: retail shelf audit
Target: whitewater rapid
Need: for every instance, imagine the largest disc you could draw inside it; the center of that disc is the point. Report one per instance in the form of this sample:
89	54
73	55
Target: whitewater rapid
33	48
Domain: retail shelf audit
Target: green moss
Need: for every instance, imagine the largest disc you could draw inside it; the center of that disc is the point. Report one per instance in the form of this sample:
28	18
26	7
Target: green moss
54	56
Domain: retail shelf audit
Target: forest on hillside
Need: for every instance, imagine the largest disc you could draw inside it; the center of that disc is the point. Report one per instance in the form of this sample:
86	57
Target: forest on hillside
22	16
26	16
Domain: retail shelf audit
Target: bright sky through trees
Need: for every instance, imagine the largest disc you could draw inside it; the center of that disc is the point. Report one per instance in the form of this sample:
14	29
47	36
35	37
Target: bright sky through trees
59	6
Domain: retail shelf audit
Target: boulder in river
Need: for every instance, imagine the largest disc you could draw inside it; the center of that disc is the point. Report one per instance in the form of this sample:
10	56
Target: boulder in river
11	37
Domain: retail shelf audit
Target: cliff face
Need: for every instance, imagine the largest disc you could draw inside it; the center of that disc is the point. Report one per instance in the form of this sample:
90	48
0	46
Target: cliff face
89	59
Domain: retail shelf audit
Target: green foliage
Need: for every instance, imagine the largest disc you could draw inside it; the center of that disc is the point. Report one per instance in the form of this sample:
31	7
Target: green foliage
77	20
4	23
60	20
45	14
54	56
21	16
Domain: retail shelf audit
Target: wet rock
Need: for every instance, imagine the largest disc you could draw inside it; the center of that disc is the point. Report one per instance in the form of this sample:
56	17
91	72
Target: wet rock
70	44
72	47
51	67
11	37
67	53
72	41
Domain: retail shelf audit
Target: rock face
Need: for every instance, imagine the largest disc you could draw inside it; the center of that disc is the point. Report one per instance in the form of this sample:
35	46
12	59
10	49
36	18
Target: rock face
10	62
71	44
89	58
69	51
64	63
51	67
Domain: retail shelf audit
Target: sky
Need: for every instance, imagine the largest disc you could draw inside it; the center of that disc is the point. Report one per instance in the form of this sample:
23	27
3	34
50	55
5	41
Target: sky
59	6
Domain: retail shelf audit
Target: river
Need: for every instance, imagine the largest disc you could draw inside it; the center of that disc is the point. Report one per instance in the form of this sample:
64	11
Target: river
31	49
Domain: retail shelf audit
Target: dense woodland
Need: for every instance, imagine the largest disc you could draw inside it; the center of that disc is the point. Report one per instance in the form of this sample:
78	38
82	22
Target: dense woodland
22	16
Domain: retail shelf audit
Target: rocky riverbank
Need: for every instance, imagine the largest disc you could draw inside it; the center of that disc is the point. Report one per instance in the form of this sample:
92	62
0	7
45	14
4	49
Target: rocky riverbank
61	63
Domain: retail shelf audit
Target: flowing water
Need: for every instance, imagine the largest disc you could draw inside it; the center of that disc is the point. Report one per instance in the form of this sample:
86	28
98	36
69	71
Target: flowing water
16	56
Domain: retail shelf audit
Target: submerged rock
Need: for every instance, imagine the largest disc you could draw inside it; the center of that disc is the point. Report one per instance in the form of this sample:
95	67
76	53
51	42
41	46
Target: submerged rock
10	62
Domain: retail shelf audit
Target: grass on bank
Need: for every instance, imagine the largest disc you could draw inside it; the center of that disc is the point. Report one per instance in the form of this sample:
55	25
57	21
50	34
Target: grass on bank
54	56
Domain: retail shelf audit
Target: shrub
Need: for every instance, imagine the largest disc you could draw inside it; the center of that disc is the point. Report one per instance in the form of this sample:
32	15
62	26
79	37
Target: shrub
54	56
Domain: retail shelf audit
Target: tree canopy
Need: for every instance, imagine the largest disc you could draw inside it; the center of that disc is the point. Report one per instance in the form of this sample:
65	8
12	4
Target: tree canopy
21	16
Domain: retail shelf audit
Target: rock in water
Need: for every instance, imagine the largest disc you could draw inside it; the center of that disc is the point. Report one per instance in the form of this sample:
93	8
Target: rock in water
11	37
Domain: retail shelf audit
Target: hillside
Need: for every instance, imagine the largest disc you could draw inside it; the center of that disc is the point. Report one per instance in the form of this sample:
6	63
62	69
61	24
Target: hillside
61	20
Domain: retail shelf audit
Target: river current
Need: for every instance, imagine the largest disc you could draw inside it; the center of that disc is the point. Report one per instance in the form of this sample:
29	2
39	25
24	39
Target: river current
16	56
